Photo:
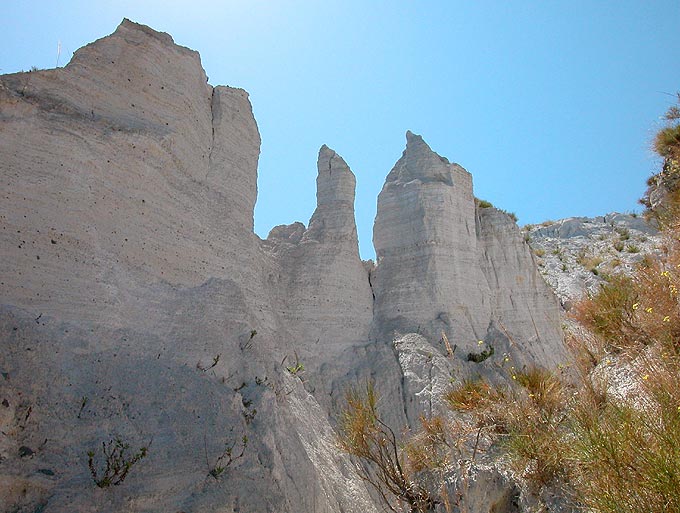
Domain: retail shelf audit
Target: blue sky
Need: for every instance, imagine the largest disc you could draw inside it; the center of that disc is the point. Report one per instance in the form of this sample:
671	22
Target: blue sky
551	105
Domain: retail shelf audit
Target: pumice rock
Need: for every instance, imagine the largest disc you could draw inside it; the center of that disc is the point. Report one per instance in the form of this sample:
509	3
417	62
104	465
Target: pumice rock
137	305
446	266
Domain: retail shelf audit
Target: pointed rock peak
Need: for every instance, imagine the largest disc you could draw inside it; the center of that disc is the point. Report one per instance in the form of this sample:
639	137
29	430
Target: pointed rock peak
331	161
335	181
333	218
414	139
415	144
325	155
419	162
135	33
127	24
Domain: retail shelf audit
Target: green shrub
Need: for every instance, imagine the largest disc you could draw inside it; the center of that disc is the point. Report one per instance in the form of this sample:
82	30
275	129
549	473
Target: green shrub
481	356
227	458
117	463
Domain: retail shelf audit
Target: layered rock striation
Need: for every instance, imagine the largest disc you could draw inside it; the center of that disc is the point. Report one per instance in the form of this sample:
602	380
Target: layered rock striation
137	304
445	266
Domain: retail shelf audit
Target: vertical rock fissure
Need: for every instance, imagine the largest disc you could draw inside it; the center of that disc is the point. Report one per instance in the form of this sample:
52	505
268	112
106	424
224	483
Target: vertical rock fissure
212	137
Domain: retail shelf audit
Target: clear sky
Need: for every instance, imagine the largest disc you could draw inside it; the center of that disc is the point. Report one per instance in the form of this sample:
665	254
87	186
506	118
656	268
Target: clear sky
551	104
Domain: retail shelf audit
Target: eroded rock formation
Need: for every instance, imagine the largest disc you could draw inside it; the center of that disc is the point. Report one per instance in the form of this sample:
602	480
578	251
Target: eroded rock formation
137	303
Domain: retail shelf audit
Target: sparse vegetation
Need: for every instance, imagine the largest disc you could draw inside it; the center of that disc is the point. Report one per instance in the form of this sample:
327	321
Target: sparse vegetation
624	233
590	262
116	465
667	145
205	368
227	458
248	343
297	368
481	356
363	434
525	419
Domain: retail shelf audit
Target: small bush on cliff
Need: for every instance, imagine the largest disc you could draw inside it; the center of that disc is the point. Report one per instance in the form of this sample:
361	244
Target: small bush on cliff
665	207
363	434
116	464
229	455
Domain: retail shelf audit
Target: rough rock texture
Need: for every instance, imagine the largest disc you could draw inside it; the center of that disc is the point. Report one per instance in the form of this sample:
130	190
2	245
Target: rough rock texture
427	277
576	255
321	283
137	300
137	304
451	271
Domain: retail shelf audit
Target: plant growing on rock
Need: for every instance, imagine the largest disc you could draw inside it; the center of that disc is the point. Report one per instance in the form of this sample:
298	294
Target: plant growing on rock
665	208
525	419
297	368
226	459
117	463
363	434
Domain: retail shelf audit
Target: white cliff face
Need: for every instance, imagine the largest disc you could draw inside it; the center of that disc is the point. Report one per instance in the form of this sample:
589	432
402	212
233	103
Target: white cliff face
525	319
112	158
446	267
427	278
322	285
137	303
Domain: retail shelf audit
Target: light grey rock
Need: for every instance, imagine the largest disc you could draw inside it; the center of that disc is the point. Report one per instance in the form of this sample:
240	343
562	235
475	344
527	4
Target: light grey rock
321	283
525	319
137	303
427	277
448	270
427	375
482	489
576	255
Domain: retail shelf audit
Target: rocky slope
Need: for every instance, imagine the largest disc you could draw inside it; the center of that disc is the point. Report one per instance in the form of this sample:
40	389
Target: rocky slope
577	255
137	304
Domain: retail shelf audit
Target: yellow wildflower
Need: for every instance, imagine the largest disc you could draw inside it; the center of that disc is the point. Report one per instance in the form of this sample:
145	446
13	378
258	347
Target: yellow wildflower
635	306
